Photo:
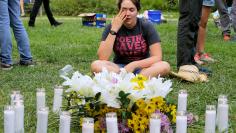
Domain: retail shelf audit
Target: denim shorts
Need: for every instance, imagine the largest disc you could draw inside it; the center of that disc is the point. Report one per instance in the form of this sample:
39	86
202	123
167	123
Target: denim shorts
208	2
136	71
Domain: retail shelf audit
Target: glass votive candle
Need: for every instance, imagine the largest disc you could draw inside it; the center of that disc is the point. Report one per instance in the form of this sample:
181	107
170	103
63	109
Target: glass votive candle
40	98
88	125
57	100
210	119
65	119
155	123
111	122
19	115
181	122
182	100
9	119
42	120
222	113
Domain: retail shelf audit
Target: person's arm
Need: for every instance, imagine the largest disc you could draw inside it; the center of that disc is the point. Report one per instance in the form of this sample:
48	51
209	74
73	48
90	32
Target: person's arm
155	56
106	47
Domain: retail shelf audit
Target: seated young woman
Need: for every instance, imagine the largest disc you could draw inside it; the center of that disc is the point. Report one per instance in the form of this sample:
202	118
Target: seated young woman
135	43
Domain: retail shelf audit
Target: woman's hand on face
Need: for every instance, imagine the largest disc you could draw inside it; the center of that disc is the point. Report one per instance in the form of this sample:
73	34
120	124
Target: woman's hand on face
118	21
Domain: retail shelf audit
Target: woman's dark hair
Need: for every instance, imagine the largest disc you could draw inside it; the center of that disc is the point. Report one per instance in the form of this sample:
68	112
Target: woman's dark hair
135	2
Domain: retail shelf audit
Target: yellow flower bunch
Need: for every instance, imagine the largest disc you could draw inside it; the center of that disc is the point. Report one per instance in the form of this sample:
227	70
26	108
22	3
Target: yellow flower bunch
139	79
158	103
103	110
138	123
140	118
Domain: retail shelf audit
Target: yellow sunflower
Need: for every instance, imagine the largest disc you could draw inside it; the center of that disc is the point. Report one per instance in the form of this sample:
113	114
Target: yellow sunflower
141	103
150	108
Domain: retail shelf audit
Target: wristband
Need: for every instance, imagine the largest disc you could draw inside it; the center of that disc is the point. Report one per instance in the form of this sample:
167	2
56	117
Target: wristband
113	32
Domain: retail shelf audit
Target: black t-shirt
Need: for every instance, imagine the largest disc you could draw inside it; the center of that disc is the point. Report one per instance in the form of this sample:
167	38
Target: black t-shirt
133	44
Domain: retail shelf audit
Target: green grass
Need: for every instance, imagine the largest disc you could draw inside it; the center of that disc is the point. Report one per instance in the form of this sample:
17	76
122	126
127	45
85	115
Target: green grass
71	43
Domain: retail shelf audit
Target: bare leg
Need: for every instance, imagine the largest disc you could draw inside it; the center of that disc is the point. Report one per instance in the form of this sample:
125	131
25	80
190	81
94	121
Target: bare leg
22	7
161	68
202	29
97	66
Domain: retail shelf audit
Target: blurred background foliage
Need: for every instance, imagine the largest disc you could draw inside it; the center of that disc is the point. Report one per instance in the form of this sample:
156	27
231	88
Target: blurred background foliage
75	7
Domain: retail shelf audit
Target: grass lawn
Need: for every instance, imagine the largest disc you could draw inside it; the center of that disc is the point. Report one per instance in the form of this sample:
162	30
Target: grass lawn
71	43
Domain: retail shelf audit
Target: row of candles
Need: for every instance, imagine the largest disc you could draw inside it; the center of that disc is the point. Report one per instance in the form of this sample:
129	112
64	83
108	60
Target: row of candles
14	115
213	117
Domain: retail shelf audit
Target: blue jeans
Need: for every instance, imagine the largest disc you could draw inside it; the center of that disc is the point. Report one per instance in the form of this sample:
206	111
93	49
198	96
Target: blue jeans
208	3
136	71
10	17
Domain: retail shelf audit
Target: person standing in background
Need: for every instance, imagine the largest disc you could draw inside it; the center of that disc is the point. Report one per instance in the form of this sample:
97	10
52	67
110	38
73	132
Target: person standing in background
187	34
35	11
190	13
224	19
10	17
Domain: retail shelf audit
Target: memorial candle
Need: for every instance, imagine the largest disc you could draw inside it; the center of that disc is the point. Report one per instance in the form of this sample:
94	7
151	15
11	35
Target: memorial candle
155	123
19	116
88	125
181	122
210	119
40	94
65	119
182	100
9	119
57	101
111	122
42	120
220	98
222	115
